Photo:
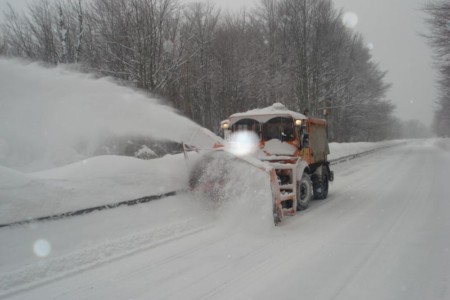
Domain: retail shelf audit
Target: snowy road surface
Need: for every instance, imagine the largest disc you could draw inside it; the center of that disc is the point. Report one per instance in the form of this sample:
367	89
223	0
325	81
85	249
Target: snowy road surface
383	233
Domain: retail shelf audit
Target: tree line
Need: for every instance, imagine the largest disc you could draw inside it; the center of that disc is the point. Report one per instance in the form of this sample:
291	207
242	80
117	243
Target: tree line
209	64
439	37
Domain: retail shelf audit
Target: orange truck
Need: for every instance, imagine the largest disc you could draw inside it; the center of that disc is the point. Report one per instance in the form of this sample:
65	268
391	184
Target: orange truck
295	147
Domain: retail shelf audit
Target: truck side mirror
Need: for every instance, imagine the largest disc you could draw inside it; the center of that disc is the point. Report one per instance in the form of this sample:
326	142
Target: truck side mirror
305	141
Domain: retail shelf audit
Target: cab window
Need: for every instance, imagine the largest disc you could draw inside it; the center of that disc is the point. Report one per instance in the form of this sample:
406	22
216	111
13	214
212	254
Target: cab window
280	128
247	124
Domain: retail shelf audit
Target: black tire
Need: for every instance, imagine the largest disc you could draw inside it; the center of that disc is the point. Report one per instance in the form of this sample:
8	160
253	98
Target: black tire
304	192
320	184
277	215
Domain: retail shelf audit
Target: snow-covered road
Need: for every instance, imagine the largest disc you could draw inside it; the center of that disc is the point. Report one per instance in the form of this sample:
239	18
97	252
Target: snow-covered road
383	233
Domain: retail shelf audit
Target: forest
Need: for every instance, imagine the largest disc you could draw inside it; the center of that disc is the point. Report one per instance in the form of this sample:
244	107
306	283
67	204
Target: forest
208	64
439	38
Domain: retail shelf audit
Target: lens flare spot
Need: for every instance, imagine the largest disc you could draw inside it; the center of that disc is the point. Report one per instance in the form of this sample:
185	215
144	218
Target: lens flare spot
42	248
243	143
350	19
34	226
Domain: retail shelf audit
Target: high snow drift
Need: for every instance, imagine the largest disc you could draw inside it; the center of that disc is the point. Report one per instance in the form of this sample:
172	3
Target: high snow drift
89	183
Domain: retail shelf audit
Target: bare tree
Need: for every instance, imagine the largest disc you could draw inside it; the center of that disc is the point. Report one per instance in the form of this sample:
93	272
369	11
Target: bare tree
210	65
201	21
439	37
3	47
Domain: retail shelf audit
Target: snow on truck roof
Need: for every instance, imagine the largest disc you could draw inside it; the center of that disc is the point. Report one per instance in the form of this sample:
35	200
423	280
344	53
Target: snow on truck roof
265	114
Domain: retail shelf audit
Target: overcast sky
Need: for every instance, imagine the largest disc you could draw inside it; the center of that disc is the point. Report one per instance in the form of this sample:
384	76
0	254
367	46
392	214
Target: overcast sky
393	28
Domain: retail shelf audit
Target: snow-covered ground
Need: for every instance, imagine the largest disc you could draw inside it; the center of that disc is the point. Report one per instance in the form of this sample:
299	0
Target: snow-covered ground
381	234
105	180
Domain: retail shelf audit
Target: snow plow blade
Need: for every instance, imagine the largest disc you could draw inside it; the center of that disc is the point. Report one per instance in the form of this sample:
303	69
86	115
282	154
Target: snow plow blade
228	179
241	180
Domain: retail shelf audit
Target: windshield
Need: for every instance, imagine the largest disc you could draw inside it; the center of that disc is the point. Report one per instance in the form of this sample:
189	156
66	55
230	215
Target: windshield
247	124
280	128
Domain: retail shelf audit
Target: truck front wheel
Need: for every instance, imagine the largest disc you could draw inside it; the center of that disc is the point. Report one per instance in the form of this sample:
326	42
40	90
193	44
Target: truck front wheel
304	192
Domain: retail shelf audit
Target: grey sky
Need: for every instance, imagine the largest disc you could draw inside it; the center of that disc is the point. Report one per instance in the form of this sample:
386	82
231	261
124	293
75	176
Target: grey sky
393	27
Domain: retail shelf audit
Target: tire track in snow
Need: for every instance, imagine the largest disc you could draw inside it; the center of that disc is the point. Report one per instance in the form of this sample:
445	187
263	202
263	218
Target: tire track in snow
278	261
412	213
42	273
365	260
244	261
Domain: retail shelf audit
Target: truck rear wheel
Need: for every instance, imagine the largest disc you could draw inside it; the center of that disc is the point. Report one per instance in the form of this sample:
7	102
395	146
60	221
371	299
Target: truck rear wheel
304	192
320	184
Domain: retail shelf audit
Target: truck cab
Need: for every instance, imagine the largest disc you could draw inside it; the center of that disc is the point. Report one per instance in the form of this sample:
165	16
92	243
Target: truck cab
295	145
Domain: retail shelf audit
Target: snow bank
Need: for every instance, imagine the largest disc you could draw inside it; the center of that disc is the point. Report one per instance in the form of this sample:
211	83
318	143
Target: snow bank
338	150
51	116
12	178
243	190
443	143
88	183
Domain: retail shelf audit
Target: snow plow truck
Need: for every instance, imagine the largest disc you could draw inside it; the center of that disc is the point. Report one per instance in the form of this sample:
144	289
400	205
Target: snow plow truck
291	147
